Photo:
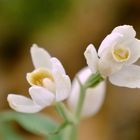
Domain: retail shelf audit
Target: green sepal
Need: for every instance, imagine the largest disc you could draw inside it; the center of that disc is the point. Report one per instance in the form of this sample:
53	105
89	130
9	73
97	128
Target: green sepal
93	80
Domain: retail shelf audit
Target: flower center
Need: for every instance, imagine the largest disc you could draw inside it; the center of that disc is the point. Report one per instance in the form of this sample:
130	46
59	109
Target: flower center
41	77
121	54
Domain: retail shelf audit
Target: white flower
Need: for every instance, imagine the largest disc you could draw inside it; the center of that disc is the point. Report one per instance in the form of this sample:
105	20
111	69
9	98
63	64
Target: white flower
115	58
94	96
49	83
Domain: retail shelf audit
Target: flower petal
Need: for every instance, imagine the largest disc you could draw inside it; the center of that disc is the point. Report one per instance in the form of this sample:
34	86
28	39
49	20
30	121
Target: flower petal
94	100
63	85
22	104
134	46
107	64
109	41
56	64
128	76
127	30
40	57
91	57
75	90
94	96
41	96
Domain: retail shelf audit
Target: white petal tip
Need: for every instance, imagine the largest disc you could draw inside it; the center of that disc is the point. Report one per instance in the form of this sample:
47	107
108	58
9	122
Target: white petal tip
126	30
22	104
91	57
40	57
90	45
89	48
34	47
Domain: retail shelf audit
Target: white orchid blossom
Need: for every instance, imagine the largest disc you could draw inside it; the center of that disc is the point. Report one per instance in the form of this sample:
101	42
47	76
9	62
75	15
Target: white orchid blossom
49	83
115	57
94	96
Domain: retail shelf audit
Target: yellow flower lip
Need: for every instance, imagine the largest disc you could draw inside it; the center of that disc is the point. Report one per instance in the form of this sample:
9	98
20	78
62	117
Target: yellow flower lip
38	75
121	54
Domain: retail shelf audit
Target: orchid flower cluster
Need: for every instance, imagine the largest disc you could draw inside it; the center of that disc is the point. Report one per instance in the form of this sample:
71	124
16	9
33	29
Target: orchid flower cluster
50	85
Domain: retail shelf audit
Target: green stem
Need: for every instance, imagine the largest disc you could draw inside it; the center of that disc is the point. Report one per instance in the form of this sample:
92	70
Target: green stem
65	113
80	101
92	81
70	130
70	133
62	110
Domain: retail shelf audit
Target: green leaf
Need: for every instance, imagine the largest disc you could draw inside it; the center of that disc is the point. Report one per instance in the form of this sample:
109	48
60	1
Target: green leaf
55	137
7	132
35	123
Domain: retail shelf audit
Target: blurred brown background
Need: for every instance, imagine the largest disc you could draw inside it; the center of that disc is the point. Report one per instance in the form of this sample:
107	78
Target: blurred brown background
65	28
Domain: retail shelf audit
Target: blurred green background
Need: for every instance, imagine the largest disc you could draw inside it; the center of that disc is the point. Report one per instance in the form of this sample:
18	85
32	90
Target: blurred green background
65	28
